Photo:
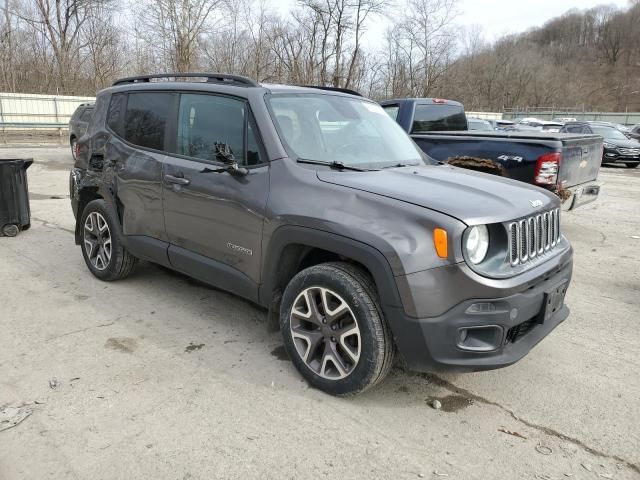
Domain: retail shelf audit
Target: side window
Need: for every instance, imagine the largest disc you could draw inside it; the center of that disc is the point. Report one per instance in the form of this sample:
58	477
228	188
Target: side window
146	119
392	111
207	121
116	112
586	130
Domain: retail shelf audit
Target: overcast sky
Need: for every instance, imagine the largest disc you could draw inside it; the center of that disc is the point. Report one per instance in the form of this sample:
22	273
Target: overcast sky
497	17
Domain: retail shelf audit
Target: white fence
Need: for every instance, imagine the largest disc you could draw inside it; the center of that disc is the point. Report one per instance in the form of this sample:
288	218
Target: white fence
23	111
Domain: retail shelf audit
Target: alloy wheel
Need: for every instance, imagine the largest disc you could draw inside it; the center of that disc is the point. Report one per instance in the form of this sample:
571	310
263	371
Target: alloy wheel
97	240
325	333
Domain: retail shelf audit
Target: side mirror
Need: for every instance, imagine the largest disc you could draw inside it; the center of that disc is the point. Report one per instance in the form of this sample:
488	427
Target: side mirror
225	155
235	169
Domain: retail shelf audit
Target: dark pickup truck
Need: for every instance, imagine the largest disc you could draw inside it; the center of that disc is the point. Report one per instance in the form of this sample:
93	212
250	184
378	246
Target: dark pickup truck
566	164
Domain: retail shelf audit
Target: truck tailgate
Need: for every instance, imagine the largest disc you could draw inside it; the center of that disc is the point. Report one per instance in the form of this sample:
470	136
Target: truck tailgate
581	158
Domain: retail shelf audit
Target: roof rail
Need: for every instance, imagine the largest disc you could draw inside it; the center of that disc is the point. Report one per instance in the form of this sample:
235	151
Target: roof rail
211	78
334	89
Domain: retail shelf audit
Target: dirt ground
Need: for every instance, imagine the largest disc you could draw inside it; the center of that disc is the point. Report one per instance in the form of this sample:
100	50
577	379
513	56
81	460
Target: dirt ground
158	376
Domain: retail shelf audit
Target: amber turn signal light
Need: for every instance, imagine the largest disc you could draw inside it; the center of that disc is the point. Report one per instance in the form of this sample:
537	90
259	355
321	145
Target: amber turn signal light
440	242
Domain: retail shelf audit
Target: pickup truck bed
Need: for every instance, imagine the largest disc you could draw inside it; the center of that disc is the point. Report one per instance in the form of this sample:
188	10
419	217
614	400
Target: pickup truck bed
521	154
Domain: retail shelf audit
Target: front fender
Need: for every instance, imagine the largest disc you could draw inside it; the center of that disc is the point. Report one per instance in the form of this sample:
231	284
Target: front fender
365	254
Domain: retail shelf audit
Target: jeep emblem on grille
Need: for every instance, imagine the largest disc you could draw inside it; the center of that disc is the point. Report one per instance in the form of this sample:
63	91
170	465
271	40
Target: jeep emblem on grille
536	203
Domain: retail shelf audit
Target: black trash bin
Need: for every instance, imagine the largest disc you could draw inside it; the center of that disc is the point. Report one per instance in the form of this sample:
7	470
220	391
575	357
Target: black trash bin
15	214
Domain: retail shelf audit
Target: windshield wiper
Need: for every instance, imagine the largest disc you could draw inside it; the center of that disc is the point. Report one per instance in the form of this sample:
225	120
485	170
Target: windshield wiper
400	165
335	165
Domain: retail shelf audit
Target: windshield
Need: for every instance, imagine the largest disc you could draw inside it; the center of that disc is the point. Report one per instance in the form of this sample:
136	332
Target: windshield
331	128
609	132
479	125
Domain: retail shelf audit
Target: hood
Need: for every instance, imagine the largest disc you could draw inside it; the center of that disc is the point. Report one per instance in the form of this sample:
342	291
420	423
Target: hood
623	143
469	196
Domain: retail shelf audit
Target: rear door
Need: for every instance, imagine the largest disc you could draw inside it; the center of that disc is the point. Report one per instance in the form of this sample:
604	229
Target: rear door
133	155
214	219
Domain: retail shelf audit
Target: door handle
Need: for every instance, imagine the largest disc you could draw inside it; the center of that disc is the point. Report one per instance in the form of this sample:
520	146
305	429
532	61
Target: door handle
176	180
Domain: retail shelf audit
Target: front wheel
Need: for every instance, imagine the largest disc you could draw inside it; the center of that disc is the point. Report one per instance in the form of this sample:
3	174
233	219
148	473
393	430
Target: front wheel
632	165
333	329
102	246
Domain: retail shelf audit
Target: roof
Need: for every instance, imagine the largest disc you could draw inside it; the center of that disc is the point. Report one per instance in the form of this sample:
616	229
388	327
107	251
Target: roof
425	100
218	83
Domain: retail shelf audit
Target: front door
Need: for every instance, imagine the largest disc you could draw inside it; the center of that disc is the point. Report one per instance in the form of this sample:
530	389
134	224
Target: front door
213	218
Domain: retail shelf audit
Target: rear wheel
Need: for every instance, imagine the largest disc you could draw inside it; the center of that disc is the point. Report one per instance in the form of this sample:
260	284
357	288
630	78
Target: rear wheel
102	246
333	329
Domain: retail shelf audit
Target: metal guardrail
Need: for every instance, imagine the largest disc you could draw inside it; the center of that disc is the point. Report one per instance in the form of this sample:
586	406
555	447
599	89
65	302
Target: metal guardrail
30	125
625	118
12	129
19	110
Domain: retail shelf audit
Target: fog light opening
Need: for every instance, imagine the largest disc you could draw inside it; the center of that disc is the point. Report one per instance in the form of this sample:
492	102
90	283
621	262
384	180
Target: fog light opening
485	338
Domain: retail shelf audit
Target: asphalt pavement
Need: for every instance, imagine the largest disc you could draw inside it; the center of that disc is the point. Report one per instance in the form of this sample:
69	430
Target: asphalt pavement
158	376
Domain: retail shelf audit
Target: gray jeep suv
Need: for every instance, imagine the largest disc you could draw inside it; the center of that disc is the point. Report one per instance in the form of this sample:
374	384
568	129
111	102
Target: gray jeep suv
315	204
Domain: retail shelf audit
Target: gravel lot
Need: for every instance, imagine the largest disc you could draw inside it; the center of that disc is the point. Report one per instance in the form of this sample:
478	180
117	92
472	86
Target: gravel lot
158	376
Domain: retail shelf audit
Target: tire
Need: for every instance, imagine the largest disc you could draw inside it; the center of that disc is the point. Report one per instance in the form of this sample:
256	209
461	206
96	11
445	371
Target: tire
102	246
354	356
10	230
631	165
73	143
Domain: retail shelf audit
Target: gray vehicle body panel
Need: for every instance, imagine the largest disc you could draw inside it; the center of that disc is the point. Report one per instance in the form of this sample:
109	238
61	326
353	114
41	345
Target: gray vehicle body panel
238	232
480	199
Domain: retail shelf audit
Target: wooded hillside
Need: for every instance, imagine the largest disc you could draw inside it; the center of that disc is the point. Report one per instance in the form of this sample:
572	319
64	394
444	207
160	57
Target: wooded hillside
585	59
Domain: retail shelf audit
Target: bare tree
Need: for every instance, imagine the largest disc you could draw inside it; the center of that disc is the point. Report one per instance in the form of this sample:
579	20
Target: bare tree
175	26
104	49
60	23
7	47
426	41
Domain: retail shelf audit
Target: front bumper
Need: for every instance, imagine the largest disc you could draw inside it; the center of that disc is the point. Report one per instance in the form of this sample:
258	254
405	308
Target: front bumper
496	336
614	156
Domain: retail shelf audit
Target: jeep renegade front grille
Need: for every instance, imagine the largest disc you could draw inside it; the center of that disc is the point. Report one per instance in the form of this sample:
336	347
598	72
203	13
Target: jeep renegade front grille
533	236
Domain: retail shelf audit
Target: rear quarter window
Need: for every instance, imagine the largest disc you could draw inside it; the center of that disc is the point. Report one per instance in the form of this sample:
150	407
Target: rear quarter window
115	114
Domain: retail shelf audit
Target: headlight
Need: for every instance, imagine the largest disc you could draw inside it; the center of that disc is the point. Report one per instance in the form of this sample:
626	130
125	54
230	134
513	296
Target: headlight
609	145
477	244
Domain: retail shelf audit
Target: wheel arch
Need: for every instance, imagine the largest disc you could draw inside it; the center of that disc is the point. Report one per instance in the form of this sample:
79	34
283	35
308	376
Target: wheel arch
89	193
293	248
